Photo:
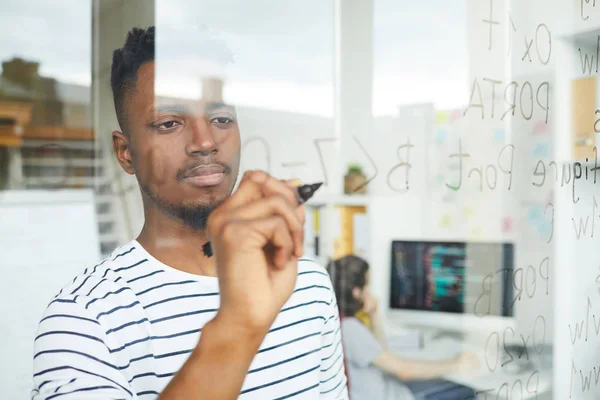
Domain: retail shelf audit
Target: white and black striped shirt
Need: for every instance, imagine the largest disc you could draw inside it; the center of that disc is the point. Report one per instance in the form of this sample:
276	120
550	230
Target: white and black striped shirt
123	328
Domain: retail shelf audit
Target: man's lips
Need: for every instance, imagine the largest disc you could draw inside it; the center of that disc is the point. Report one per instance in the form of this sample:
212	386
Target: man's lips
206	175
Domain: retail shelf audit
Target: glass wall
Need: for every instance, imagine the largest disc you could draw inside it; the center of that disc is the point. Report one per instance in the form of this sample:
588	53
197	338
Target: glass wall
456	143
48	169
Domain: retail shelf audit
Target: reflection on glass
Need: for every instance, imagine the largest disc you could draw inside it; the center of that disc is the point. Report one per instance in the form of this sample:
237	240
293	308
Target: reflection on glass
456	142
48	164
45	96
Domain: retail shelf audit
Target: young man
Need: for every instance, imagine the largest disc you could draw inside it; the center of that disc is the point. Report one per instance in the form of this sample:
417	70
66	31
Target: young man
158	319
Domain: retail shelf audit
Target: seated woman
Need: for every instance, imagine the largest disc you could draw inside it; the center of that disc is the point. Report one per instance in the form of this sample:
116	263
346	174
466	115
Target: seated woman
374	372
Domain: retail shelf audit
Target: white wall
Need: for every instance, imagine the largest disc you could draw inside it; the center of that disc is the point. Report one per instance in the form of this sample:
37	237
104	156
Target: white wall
47	238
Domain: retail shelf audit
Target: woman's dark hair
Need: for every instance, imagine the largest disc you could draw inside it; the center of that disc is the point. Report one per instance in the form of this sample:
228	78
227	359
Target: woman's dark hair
347	273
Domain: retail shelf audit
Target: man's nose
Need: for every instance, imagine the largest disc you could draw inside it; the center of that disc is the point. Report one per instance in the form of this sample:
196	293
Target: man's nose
201	140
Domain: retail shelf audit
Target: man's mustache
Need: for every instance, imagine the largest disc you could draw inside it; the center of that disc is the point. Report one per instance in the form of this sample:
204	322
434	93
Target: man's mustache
183	172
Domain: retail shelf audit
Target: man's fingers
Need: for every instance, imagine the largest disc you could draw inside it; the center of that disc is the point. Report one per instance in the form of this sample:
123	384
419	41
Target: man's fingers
275	205
300	211
285	188
247	192
293	183
271	186
259	195
283	243
257	184
273	232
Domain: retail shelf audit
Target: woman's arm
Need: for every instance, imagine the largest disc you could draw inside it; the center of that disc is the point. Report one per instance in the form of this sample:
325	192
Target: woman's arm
407	370
396	366
378	330
370	307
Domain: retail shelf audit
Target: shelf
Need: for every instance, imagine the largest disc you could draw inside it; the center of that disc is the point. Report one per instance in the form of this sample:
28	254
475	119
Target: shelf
62	162
330	199
11	141
52	182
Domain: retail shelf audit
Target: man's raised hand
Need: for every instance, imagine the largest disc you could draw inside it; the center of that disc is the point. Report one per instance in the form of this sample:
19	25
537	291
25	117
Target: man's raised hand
257	236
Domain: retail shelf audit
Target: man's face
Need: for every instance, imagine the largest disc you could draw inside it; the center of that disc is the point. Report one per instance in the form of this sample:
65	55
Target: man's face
185	158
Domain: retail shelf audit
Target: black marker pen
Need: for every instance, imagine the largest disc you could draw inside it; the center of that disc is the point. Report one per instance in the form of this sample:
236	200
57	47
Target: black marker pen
303	193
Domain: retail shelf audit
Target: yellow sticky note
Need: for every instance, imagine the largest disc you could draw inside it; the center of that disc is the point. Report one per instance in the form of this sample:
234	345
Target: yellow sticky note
446	221
468	212
441	117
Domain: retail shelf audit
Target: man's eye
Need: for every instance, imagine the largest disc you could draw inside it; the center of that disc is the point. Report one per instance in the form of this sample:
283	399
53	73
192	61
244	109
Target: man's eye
222	120
167	125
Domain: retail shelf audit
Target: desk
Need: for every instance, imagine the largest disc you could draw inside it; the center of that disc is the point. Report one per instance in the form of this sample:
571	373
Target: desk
516	377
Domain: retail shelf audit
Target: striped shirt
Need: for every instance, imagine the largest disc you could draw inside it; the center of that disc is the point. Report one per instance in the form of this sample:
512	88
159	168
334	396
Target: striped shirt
123	328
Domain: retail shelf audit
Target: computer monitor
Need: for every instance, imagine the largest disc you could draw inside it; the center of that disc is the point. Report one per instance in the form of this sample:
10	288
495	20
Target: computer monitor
451	284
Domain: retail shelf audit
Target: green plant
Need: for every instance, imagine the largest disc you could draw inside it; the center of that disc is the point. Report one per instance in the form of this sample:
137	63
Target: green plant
355	168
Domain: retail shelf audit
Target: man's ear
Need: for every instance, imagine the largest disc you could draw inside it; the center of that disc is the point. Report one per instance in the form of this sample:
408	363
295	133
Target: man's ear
356	292
122	148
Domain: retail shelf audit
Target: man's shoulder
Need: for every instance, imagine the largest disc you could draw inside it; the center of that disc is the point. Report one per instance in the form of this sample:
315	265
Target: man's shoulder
311	271
307	265
95	290
313	284
97	280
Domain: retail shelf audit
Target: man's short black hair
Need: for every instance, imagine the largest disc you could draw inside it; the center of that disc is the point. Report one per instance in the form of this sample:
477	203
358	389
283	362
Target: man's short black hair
137	50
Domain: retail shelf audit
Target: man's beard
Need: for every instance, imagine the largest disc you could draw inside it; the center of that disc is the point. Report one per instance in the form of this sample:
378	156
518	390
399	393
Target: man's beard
194	216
